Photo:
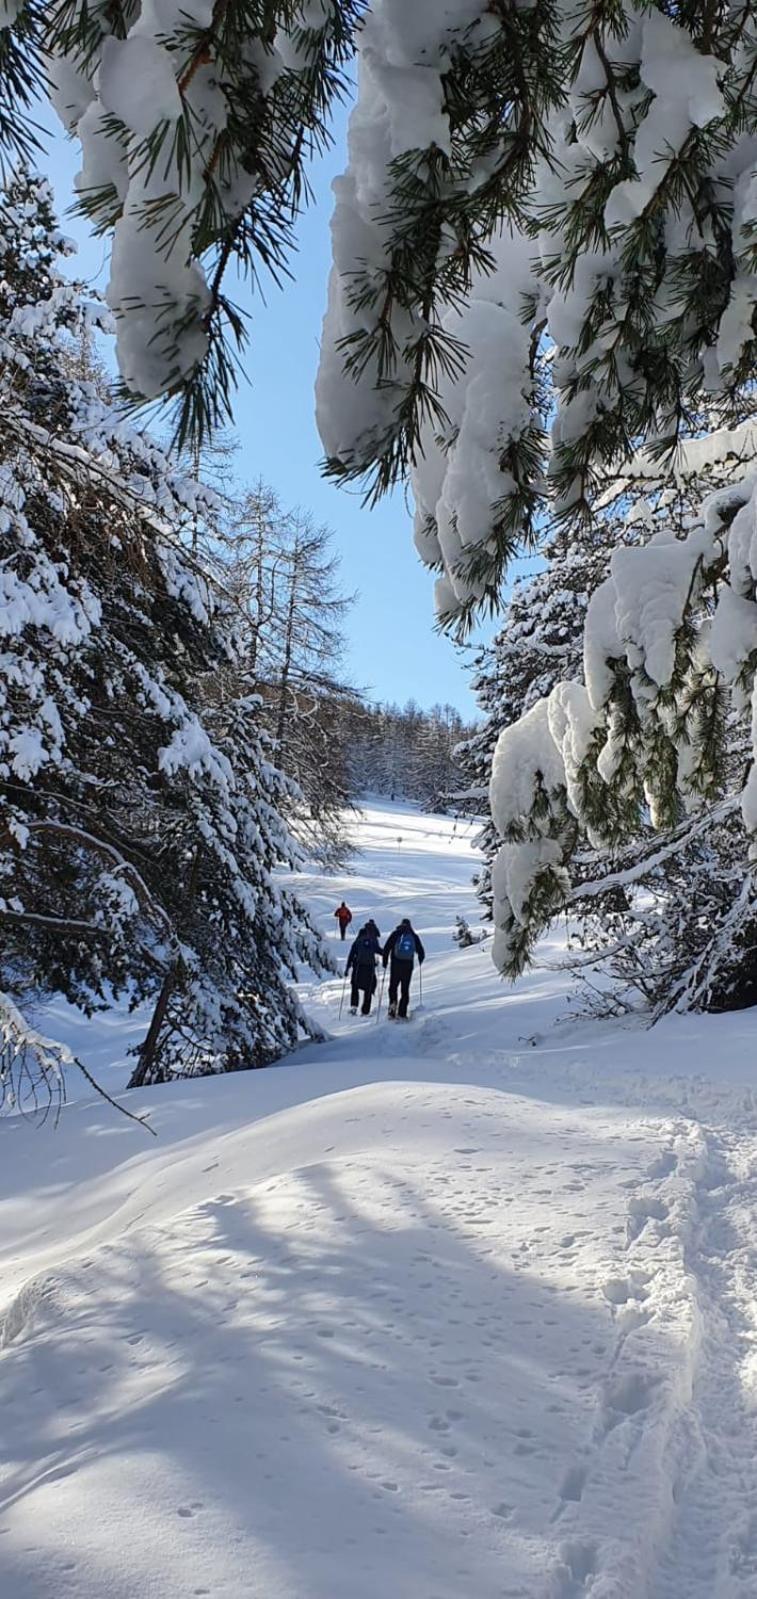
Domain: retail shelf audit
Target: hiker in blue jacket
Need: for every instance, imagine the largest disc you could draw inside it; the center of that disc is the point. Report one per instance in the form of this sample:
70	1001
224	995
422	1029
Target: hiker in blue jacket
401	948
361	961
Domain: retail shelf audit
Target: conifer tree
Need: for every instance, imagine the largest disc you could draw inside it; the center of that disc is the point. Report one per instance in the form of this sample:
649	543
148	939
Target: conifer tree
539	644
622	797
141	817
409	753
282	570
539	639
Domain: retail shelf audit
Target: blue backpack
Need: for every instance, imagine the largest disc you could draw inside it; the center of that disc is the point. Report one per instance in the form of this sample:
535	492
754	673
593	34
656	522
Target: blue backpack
404	948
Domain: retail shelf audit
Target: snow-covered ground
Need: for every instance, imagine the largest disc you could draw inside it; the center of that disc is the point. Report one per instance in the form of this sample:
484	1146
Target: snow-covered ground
460	1310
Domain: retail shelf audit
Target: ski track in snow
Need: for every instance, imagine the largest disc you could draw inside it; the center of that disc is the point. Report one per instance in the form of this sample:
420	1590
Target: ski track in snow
462	1310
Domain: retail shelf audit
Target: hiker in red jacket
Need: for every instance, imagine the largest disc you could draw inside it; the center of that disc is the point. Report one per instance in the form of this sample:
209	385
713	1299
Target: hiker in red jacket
343	915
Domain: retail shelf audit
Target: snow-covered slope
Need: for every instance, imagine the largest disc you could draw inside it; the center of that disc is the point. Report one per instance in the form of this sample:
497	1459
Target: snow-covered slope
458	1310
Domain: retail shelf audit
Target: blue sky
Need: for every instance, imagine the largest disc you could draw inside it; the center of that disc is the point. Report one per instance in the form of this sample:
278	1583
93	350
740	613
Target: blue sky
392	651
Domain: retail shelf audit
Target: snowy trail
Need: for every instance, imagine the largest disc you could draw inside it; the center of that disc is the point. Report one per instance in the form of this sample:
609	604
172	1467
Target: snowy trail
466	1308
712	1553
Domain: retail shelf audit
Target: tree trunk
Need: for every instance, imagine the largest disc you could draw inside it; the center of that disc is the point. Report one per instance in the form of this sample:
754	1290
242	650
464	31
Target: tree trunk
143	1071
286	665
259	588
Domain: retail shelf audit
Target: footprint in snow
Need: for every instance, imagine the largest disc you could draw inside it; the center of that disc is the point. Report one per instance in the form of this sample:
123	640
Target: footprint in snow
627	1396
573	1484
618	1290
580	1563
663	1166
643	1211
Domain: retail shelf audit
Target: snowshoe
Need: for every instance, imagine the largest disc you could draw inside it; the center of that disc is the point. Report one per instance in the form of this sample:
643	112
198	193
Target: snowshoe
353	1010
392	1013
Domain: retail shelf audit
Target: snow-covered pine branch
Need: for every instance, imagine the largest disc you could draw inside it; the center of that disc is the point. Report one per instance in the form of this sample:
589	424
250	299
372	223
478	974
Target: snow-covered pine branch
197	120
658	738
551	180
32	1067
34	1070
582	176
430	356
673	918
540	642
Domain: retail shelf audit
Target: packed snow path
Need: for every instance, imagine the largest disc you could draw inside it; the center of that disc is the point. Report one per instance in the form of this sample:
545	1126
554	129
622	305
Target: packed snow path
713	1546
466	1308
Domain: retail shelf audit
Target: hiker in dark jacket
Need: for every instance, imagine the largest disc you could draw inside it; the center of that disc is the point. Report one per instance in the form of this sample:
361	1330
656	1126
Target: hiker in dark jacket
370	927
361	961
401	948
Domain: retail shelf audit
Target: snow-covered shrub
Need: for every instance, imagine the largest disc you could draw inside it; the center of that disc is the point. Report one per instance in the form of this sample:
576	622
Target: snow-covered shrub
463	934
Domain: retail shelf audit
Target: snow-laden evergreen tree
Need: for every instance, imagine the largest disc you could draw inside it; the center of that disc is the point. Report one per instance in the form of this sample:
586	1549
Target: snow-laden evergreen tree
539	644
620	795
141	830
539	638
672	916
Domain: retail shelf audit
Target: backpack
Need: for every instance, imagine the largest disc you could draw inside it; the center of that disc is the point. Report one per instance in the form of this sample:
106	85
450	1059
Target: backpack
364	952
404	948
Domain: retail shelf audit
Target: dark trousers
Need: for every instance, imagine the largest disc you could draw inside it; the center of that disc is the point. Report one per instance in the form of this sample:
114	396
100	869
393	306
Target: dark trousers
363	980
343	929
400	973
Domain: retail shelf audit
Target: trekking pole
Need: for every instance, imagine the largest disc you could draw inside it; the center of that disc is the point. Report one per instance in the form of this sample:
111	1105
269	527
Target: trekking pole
381	995
420	980
344	990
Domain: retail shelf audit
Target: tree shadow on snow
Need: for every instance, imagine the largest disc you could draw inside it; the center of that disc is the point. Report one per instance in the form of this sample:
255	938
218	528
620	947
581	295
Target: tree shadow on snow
332	1388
